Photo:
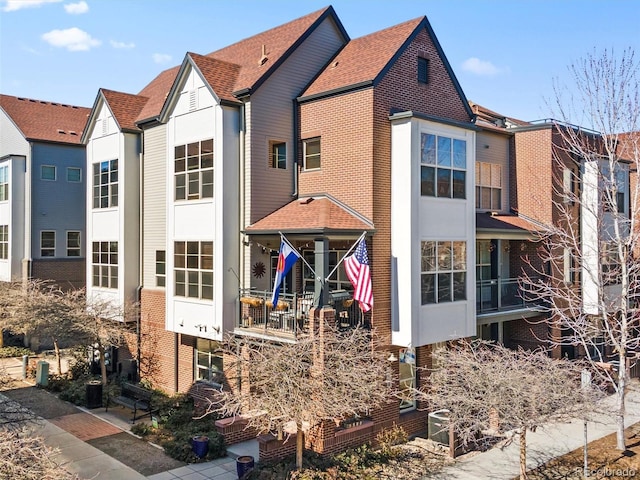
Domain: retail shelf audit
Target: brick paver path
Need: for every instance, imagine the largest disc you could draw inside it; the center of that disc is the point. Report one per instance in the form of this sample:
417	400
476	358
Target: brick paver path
84	426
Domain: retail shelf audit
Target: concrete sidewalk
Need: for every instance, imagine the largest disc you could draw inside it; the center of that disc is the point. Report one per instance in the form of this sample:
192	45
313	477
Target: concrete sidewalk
543	445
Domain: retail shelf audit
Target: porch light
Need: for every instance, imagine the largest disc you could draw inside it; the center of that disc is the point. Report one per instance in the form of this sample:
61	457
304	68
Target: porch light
392	358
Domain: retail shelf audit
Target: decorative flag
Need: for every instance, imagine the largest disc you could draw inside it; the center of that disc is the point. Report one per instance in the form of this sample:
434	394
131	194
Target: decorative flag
286	258
357	268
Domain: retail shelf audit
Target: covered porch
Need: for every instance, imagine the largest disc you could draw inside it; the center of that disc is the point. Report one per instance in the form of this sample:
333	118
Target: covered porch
322	231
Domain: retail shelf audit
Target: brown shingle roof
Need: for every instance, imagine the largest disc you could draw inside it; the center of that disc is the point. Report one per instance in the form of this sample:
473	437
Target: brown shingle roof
310	215
239	64
125	107
157	92
277	42
46	121
221	76
363	59
486	221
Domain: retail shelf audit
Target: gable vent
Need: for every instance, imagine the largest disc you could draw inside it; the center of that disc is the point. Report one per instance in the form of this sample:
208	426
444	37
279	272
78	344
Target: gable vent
192	100
105	127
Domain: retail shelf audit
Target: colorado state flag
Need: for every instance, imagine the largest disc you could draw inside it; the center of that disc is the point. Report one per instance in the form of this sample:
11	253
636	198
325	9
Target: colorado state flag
287	257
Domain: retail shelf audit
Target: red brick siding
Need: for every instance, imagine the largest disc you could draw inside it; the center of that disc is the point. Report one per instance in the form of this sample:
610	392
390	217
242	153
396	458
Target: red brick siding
68	273
526	333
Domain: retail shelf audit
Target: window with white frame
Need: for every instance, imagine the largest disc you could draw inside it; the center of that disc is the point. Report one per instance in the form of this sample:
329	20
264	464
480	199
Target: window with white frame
407	378
444	271
74	174
193	168
488	186
4	183
208	360
278	155
4	242
193	269
73	244
47	243
611	263
311	153
571	271
161	268
105	264
105	184
569	185
443	166
48	172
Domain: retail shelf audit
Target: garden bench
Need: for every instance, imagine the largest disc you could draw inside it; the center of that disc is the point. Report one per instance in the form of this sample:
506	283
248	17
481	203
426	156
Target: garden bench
136	398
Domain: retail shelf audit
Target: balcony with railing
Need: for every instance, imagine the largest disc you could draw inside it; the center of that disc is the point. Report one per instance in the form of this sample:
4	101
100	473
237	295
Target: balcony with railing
289	318
500	295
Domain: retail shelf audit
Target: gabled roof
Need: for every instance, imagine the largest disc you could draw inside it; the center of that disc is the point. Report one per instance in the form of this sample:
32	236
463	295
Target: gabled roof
315	214
490	120
276	45
125	108
221	76
157	92
46	121
243	65
363	59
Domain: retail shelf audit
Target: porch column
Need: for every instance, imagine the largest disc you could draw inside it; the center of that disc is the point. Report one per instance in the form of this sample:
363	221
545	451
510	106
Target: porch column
321	290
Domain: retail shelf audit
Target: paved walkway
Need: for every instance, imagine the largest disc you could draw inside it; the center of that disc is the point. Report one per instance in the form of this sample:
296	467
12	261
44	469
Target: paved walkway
70	433
543	445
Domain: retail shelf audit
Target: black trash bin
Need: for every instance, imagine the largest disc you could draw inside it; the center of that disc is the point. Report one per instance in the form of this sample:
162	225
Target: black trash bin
93	394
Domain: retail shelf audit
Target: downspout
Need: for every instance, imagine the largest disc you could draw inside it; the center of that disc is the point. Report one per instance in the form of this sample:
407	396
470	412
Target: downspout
294	149
140	253
27	260
242	191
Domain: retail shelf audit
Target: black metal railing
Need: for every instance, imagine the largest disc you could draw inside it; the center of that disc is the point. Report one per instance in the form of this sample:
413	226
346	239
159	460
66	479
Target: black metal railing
499	294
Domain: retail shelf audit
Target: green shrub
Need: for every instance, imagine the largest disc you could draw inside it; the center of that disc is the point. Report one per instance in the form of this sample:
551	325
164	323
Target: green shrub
13	351
141	429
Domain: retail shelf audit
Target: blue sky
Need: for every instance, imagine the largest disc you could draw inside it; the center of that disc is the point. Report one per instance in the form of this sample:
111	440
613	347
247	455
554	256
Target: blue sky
505	55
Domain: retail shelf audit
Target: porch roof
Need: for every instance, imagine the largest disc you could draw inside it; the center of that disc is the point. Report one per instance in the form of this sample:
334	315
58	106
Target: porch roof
311	215
513	224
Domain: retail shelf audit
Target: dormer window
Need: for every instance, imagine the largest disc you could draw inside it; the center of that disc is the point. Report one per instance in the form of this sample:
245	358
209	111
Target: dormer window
423	70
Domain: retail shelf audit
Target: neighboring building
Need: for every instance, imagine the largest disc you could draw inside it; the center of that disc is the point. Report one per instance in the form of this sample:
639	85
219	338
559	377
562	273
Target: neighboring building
42	191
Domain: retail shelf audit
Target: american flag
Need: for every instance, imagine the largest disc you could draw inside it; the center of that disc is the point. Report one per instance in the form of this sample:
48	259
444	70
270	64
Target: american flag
359	274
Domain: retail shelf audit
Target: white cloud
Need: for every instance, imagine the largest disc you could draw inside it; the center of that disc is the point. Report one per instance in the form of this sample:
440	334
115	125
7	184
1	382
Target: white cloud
73	39
161	58
13	5
125	45
77	8
482	67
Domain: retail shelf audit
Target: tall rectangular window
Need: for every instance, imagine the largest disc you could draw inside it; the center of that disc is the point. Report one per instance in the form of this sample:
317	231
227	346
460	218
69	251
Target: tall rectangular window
74	174
407	378
423	70
311	153
209	361
4	183
105	264
193	269
278	155
4	242
443	166
105	184
611	263
488	186
73	244
48	172
47	244
161	264
444	271
193	168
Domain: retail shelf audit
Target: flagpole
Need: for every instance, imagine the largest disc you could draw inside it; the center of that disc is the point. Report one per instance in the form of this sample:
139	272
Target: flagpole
345	255
284	239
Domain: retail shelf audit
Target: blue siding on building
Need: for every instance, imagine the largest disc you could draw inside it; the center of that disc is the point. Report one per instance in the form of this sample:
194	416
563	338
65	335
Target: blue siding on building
58	205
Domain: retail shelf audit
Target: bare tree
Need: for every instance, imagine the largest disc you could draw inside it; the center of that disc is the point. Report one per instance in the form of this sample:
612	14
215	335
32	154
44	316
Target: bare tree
101	322
293	387
40	309
490	389
596	232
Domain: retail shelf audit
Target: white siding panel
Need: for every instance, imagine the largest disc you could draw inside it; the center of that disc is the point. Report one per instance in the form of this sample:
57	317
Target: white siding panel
494	148
105	225
12	142
198	125
155	198
192	318
194	221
